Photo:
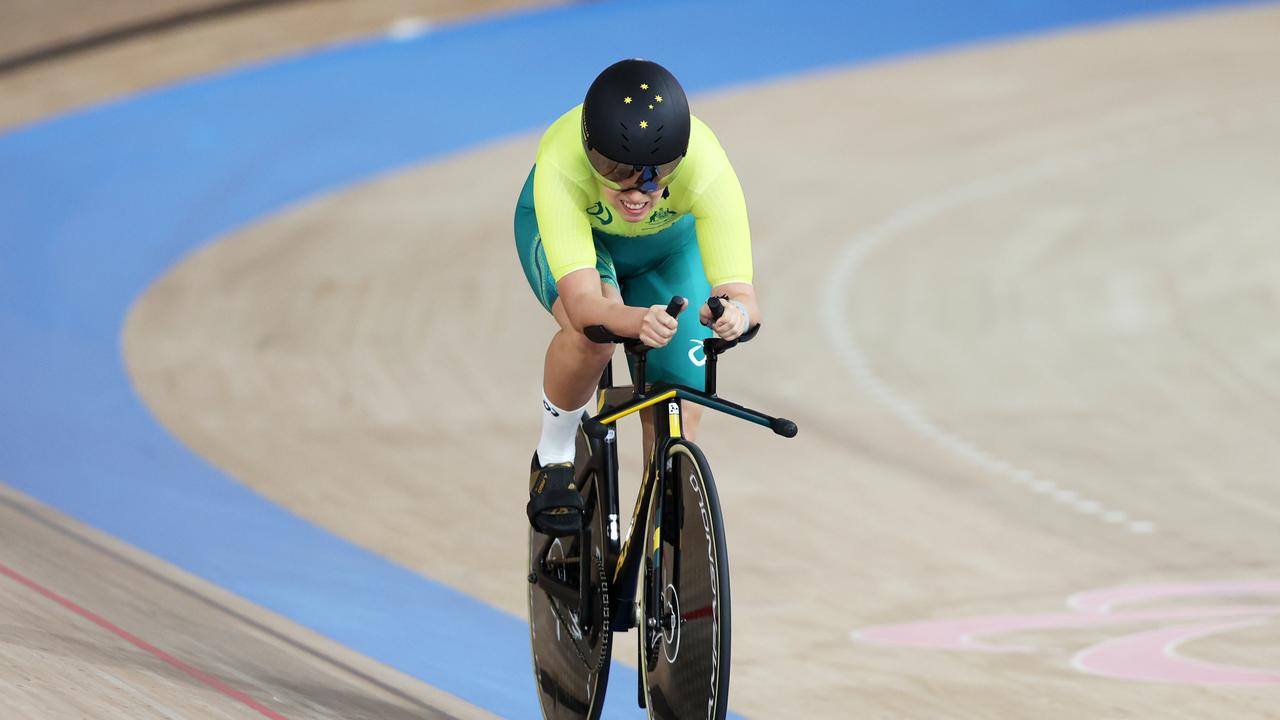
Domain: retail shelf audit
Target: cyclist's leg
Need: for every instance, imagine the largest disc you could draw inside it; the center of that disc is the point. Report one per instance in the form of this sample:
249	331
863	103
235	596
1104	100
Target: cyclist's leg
572	365
571	370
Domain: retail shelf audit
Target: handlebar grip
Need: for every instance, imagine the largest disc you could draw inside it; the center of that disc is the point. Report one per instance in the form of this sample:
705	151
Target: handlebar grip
675	306
717	307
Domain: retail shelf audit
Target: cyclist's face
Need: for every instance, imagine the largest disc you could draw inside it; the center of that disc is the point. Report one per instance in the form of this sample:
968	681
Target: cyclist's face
631	203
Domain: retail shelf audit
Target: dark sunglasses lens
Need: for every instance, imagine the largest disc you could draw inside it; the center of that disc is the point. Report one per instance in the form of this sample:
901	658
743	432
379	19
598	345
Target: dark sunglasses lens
651	177
609	170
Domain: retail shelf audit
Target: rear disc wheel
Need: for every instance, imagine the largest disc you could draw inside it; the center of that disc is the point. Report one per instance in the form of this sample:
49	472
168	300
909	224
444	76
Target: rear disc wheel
571	649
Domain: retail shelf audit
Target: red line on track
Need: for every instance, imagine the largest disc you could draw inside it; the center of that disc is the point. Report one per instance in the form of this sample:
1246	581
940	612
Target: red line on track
203	677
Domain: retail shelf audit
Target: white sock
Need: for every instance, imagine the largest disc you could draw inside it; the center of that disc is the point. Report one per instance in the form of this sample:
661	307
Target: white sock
559	429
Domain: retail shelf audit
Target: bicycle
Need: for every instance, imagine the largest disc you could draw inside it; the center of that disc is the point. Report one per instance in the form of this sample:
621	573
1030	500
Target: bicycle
583	588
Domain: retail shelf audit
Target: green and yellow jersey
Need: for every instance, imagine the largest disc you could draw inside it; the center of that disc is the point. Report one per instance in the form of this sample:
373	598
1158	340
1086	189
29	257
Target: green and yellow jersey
569	205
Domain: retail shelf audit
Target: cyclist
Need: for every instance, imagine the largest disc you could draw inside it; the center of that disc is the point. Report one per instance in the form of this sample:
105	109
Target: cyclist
631	201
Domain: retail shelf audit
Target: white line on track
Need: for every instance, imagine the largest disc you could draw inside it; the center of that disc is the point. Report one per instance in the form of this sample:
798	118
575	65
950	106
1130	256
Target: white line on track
409	28
850	262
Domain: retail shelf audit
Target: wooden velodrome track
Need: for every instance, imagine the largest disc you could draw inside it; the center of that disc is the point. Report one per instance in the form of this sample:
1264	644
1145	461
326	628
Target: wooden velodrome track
1021	299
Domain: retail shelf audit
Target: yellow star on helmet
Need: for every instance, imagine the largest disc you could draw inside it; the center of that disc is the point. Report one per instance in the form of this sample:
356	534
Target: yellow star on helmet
658	98
644	124
650	107
644	86
626	100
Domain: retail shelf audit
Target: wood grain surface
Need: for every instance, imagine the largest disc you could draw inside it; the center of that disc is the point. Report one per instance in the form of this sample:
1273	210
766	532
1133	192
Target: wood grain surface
1021	300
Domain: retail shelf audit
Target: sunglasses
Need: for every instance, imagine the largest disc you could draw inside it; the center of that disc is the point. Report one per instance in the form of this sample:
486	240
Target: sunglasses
652	177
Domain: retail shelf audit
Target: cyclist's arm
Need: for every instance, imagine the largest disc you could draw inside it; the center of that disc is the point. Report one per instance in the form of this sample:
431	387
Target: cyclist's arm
571	255
720	214
586	305
564	228
724	238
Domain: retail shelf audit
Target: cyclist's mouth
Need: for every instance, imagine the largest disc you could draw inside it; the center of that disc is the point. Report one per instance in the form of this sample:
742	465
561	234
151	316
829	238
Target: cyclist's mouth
633	211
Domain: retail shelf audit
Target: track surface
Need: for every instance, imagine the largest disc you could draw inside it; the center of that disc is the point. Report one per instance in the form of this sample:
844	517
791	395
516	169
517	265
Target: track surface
90	627
1030	277
1027	326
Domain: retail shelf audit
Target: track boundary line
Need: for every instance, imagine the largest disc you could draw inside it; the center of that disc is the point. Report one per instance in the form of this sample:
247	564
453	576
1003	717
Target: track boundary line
34	511
855	360
141	644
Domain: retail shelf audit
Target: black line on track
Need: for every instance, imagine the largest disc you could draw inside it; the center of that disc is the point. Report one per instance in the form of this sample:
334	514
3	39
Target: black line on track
37	512
133	31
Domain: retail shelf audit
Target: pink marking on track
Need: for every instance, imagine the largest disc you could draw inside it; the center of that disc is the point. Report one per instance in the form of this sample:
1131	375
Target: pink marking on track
1152	656
138	642
1140	656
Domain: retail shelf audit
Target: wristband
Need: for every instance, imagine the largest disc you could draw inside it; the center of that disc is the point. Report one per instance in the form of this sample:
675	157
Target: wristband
746	317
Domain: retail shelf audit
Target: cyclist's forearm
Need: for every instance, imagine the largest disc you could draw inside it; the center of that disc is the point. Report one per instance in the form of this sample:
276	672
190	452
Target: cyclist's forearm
585	309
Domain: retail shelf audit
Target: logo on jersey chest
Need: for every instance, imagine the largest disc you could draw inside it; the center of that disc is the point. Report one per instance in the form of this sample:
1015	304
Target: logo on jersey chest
601	212
662	216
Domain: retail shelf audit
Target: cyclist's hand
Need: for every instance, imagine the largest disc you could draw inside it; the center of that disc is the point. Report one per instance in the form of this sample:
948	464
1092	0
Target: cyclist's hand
729	326
658	327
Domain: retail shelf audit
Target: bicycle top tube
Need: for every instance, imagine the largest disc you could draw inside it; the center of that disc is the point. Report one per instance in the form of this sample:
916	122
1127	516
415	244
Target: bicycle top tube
598	426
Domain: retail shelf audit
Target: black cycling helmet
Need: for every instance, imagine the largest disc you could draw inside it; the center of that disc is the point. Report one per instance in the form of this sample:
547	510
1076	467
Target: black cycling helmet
635	119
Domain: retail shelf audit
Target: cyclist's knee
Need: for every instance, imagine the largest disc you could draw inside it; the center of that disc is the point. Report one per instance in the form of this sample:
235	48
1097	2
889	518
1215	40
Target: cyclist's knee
598	353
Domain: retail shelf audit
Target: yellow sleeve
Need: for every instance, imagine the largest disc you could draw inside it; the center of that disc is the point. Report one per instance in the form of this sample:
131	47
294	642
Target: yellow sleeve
565	229
560	184
720	211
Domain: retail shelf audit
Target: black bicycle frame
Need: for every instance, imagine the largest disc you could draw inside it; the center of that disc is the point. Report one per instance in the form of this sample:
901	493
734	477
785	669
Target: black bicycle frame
621	554
614	404
618	402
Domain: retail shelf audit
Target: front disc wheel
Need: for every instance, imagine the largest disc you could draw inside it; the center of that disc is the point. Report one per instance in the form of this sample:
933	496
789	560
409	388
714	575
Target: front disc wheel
685	597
